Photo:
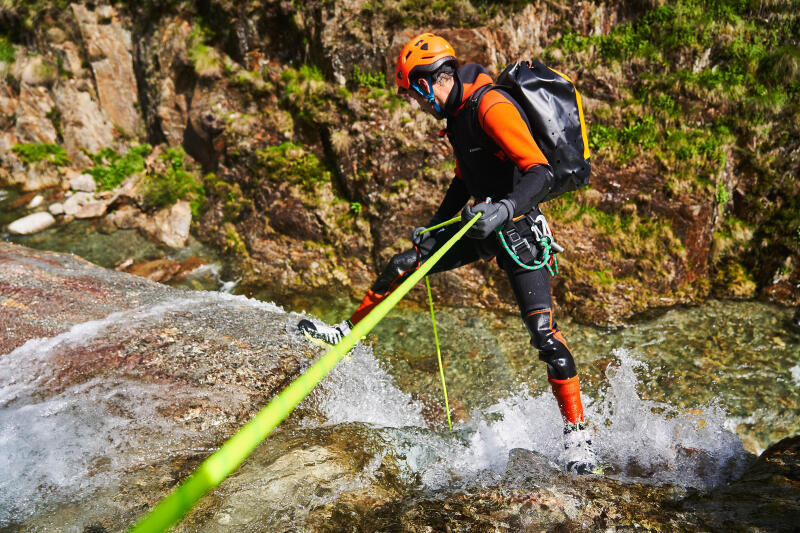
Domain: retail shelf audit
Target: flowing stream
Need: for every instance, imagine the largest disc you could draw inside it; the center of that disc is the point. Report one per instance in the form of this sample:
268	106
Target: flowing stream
685	398
671	400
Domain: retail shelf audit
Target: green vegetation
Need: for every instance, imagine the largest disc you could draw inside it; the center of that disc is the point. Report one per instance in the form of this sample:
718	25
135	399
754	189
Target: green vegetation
33	153
368	79
7	52
722	195
173	183
234	201
111	168
205	59
293	163
54	116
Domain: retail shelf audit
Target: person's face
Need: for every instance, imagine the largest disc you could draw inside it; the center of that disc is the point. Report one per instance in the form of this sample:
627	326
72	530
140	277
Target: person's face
414	96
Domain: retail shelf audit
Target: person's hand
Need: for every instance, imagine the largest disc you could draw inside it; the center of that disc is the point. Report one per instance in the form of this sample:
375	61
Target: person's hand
417	236
493	216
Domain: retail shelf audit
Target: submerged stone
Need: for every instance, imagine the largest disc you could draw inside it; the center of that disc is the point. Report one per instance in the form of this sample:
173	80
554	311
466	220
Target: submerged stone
32	223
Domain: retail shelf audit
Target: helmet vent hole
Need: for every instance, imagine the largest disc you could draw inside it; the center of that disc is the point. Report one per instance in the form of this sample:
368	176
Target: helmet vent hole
408	54
427	57
424	46
417	43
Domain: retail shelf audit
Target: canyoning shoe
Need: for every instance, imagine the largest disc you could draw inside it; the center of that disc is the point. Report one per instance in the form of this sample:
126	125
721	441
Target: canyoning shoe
323	334
579	456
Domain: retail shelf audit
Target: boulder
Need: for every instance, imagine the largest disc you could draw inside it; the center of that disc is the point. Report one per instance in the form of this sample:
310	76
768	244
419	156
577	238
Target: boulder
35	202
126	217
84	205
33	177
32	223
169	225
83	182
161	270
56	209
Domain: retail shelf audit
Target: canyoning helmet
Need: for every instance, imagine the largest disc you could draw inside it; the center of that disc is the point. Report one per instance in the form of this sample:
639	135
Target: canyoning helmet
421	57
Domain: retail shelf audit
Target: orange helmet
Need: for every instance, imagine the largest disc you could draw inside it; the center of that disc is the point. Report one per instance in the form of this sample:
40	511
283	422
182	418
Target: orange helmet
422	55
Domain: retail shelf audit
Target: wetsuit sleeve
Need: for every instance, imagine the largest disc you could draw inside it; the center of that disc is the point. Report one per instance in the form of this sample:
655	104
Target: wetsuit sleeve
502	121
454	199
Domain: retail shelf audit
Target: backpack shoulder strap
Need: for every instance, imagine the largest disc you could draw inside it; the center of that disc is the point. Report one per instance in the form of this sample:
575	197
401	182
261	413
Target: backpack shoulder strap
473	104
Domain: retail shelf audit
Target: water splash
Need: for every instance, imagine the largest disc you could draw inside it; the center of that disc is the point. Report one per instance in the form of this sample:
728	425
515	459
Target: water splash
795	371
639	439
646	439
69	446
358	389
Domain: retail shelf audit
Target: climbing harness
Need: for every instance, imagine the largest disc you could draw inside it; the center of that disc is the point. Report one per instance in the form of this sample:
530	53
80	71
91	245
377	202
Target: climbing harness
438	355
519	245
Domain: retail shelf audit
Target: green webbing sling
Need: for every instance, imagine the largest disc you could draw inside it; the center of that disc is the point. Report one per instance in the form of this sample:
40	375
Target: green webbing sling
235	450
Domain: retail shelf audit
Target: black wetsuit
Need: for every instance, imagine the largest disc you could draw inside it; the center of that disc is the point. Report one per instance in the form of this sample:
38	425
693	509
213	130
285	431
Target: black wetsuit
484	169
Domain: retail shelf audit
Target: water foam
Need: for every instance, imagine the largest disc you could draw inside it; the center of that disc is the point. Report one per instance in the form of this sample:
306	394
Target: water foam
795	370
358	389
637	439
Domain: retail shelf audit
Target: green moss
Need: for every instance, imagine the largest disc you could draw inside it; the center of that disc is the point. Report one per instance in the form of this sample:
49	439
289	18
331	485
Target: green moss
722	195
8	53
234	244
205	59
174	183
234	202
111	168
33	153
293	163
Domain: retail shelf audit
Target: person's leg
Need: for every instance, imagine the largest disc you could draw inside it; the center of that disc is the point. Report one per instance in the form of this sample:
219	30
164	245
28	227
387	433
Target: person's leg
533	294
402	265
532	290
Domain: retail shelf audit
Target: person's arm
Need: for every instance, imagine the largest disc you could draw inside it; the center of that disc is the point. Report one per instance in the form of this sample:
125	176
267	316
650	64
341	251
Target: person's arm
454	199
502	121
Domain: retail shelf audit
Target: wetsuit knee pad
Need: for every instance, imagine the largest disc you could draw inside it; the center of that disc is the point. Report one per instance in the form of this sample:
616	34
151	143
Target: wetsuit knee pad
400	266
547	338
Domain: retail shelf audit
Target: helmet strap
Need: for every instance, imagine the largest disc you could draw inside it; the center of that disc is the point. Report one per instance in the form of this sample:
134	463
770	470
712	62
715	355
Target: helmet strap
429	96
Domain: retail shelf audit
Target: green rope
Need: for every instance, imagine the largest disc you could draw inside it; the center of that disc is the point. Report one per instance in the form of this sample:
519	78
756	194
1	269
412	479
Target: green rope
438	354
443	224
544	242
235	450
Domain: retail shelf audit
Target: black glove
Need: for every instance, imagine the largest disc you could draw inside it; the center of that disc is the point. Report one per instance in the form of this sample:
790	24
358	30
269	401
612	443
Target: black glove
494	215
417	236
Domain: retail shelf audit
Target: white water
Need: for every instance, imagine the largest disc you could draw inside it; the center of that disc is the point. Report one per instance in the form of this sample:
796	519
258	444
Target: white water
795	370
62	448
640	439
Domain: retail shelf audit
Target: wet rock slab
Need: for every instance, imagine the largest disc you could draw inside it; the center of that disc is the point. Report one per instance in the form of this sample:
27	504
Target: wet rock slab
532	497
86	348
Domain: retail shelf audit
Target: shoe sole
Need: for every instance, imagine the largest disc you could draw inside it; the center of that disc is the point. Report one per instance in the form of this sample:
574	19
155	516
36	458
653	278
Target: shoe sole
306	331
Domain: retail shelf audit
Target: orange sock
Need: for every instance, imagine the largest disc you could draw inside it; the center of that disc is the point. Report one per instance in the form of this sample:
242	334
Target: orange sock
568	396
371	299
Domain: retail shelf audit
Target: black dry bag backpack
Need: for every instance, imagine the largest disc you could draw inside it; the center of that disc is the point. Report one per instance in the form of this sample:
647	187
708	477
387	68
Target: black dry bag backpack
553	108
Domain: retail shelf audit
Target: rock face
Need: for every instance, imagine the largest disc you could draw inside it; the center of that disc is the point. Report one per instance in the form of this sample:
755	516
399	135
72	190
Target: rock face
314	177
109	47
